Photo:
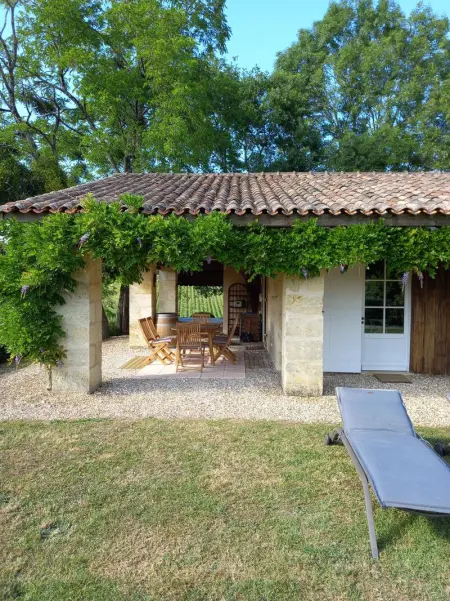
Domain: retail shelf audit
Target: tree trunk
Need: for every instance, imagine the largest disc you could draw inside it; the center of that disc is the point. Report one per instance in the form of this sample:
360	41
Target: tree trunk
105	325
123	311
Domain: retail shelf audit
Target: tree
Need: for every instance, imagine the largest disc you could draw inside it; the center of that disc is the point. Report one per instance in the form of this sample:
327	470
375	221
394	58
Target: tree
123	84
366	88
22	176
257	133
114	86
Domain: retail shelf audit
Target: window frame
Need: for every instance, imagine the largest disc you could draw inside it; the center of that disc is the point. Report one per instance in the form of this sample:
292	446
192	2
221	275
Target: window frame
384	307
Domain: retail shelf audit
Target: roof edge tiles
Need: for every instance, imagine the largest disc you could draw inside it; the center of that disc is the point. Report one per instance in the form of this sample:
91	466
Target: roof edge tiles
287	193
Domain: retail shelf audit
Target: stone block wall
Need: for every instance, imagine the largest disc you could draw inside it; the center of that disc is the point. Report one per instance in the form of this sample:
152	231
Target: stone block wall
142	304
274	321
168	291
82	322
302	336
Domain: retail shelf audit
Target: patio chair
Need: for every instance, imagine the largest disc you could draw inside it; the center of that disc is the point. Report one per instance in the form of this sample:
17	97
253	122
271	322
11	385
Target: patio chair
159	347
401	467
201	317
189	338
222	343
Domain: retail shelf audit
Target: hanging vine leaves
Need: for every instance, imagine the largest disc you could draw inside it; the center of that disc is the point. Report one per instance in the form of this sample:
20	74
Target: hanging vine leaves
38	259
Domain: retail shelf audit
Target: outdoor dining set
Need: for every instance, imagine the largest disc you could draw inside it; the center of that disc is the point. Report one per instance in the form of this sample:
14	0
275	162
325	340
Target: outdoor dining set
191	338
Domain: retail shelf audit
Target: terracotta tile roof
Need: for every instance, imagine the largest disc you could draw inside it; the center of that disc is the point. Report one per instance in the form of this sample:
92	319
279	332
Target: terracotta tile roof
257	193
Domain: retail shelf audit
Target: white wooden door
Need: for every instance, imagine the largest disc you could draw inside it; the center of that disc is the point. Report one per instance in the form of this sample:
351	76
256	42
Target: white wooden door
387	320
342	306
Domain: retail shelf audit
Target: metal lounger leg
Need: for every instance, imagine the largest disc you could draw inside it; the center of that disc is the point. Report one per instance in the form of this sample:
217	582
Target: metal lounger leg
367	499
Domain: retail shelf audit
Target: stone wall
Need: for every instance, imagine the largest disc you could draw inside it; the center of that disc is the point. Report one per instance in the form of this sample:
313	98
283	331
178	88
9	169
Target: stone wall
167	291
274	322
302	337
142	304
82	322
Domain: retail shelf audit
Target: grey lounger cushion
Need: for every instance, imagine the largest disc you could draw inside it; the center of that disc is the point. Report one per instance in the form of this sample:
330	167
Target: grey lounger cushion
363	409
403	470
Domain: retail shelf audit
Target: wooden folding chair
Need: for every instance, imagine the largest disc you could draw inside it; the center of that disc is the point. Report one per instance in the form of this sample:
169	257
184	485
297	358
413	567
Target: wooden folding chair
159	347
189	338
222	344
201	317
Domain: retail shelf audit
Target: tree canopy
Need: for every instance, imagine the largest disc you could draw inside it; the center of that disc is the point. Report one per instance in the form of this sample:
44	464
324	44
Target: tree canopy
92	87
366	88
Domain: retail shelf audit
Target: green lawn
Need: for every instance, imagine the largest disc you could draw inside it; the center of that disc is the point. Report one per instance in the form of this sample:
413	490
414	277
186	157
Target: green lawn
201	511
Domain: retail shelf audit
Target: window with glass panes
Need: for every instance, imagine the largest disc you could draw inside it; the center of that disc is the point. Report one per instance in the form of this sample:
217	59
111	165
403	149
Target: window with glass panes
384	310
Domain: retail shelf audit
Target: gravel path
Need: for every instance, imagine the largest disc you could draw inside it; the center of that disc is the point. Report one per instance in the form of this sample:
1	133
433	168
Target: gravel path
259	396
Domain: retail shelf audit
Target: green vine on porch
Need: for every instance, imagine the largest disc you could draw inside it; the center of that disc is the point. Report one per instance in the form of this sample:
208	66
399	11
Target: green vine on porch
38	259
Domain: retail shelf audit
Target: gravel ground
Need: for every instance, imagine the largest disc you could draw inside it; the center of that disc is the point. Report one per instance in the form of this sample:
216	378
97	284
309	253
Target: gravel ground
259	396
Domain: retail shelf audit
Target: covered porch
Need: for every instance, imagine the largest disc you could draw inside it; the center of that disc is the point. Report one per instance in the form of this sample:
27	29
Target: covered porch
235	312
307	326
162	294
289	327
333	315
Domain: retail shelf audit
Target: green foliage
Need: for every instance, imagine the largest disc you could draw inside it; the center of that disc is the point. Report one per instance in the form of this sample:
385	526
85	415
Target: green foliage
110	299
101	87
36	267
3	354
20	179
48	174
203	299
38	259
92	87
127	86
366	88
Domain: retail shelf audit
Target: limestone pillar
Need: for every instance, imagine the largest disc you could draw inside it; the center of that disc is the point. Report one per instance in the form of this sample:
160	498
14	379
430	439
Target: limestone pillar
302	336
82	323
142	304
274	319
168	291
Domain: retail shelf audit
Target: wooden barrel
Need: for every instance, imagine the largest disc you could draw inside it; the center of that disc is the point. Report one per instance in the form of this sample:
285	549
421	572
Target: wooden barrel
165	322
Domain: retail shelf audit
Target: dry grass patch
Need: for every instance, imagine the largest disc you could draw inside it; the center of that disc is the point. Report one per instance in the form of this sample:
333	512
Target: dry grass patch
200	511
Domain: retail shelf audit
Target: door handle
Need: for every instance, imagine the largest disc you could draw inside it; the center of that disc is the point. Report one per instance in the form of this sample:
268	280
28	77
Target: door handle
362	320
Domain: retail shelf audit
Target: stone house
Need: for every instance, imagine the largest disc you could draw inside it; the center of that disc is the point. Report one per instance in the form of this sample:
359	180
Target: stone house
309	326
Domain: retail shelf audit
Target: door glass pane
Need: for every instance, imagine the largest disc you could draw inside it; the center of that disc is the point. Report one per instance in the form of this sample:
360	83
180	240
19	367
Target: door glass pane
395	319
374	294
394	294
375	271
373	321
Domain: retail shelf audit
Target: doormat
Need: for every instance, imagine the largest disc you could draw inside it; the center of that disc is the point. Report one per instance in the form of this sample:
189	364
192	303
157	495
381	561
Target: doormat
136	363
392	377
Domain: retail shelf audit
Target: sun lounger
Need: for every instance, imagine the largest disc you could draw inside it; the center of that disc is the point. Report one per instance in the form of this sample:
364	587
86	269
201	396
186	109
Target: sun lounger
401	467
